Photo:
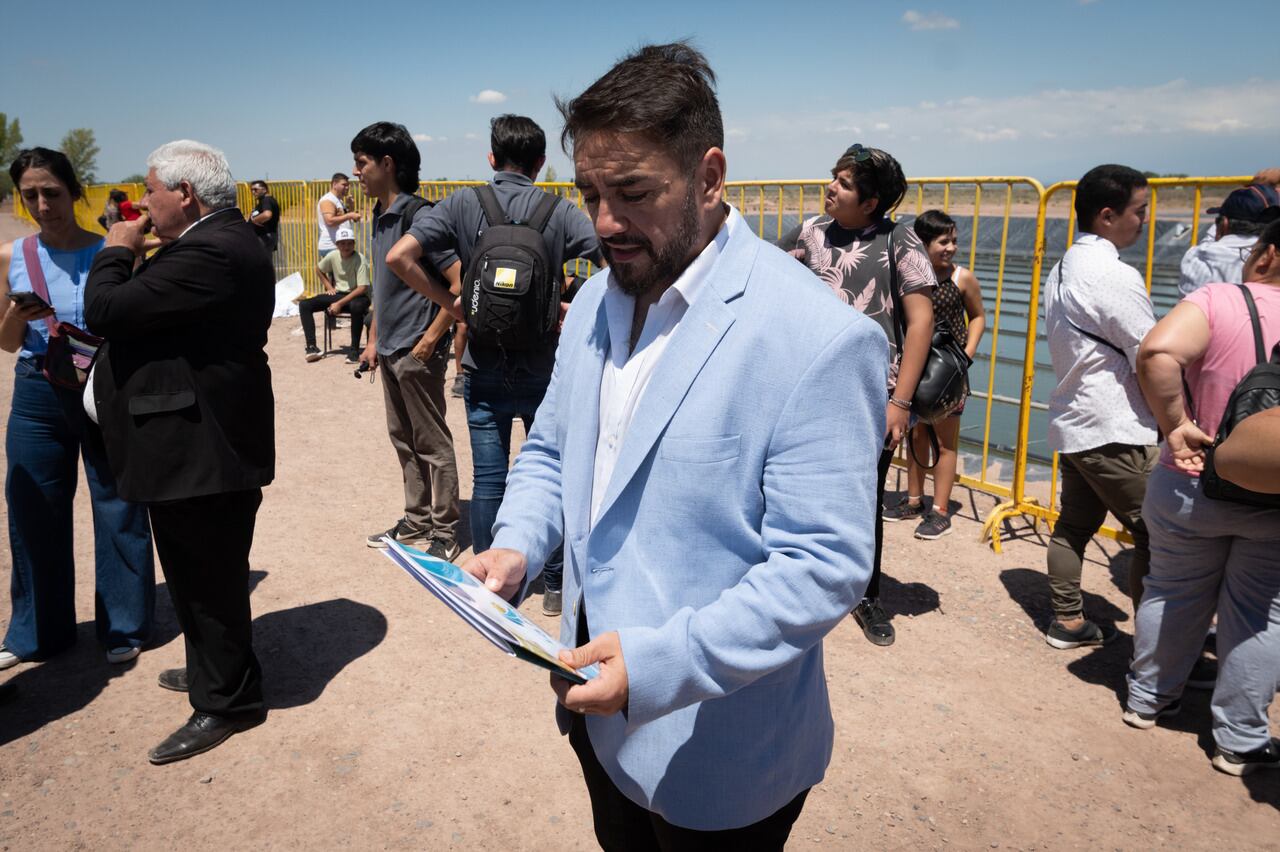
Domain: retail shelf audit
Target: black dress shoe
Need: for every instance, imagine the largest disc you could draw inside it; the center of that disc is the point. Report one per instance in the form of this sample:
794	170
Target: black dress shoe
175	679
201	733
874	622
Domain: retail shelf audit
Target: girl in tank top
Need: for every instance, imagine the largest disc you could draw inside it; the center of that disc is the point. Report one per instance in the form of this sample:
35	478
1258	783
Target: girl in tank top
957	309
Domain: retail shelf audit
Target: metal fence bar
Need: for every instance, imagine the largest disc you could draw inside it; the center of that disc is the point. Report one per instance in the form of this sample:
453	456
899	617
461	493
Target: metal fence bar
1022	504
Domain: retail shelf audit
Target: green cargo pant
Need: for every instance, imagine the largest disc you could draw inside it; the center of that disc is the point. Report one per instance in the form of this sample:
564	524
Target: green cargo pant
1111	478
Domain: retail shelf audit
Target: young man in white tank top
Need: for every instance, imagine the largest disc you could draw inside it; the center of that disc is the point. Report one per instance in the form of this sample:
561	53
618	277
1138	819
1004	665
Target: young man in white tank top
331	212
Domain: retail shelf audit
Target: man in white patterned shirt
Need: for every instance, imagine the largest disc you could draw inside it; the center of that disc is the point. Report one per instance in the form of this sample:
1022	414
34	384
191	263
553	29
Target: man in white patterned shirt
1097	311
1238	222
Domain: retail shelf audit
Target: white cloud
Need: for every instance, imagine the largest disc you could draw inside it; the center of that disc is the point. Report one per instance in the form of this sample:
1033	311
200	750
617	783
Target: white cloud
1173	108
928	21
421	137
989	134
471	136
1224	125
735	133
488	96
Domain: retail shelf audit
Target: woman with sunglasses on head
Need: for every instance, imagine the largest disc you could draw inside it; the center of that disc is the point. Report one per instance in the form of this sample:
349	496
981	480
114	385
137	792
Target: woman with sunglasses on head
1209	555
48	433
848	247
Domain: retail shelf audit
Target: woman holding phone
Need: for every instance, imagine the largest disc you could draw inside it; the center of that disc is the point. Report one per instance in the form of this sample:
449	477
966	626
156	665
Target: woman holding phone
47	435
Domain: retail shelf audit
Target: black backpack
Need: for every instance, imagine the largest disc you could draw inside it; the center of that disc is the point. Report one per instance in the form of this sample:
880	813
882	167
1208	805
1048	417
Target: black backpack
510	294
1259	390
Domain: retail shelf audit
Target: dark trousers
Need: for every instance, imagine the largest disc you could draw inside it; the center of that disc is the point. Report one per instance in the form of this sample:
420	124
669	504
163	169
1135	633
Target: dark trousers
204	544
494	398
357	307
621	824
882	470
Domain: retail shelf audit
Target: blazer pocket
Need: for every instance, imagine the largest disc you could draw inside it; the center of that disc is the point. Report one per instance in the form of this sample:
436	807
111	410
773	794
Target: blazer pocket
159	403
700	450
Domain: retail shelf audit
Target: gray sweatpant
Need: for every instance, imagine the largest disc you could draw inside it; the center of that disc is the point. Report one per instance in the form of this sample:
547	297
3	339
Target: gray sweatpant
1206	556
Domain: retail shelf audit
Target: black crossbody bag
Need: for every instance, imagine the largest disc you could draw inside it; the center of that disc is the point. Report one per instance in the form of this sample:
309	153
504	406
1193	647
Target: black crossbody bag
944	381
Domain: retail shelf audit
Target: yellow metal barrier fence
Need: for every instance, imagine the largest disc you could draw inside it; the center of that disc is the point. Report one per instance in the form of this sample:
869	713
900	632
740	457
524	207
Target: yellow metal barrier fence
1184	198
985	207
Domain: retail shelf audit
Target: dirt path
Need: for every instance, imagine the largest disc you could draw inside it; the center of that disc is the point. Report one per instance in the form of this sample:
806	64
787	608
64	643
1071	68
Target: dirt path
393	726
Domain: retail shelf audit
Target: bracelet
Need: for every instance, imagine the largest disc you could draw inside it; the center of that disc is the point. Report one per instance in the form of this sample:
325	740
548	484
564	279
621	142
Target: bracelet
905	406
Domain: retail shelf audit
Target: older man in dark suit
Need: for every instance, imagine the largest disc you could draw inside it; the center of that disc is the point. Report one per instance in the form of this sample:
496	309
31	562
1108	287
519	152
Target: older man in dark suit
183	394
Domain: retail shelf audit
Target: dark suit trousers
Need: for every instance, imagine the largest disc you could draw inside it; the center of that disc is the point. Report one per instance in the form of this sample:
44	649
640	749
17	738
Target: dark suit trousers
623	826
204	544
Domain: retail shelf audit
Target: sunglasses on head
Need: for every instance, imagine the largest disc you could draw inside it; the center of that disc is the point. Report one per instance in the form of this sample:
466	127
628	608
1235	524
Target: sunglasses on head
858	152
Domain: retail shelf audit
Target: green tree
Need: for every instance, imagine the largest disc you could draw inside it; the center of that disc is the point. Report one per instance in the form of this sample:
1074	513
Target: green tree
81	149
10	144
136	177
550	176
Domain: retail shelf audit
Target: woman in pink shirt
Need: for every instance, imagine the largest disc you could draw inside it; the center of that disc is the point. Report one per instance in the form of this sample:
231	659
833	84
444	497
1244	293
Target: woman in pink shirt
1209	555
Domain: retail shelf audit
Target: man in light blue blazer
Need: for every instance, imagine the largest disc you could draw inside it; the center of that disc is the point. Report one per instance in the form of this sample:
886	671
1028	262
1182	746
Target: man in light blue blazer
707	453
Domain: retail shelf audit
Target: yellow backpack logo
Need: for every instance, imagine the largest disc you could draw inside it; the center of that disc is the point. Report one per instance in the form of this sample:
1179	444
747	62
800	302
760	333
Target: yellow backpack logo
504	278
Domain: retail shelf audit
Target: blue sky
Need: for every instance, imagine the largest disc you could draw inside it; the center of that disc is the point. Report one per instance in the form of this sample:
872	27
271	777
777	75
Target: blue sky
1045	88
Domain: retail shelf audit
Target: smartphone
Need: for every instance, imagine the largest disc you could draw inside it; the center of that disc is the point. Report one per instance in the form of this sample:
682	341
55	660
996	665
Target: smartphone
25	298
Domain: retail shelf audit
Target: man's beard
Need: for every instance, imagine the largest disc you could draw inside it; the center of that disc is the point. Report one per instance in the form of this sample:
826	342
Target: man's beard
666	264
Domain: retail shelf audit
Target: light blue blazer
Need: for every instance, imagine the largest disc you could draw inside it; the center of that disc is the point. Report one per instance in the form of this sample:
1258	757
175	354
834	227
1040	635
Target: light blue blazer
737	530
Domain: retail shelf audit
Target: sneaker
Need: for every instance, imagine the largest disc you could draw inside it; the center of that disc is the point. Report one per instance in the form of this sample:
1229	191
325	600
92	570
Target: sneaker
905	510
352	358
403	532
551	602
1204	674
1145	721
123	654
443	548
1085	636
874	622
8	659
934	525
457	386
312	354
1242	763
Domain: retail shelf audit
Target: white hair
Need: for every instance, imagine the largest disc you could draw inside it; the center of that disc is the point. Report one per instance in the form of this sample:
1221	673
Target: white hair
202	166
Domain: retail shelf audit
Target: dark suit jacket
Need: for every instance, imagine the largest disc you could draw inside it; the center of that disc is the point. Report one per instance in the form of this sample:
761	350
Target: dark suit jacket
182	386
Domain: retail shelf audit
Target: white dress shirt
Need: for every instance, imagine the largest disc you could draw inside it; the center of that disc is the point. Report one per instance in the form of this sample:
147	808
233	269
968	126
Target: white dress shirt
1214	262
626	372
1097	400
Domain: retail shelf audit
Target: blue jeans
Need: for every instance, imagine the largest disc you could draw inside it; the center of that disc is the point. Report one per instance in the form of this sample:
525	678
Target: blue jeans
48	432
494	398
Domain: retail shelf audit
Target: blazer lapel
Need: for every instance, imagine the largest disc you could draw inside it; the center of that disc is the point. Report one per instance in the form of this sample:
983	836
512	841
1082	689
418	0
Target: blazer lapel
699	332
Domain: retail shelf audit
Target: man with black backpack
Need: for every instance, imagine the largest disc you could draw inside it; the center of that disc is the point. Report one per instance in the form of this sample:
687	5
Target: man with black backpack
513	240
411	337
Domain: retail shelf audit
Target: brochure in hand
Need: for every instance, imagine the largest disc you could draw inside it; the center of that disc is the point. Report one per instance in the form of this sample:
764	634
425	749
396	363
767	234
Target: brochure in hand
490	616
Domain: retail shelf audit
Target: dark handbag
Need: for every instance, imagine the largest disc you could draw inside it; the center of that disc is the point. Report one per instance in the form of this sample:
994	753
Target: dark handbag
944	381
72	350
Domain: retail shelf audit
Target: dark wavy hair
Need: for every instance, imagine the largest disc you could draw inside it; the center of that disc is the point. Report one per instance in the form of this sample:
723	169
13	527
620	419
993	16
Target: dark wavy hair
665	92
387	139
876	174
46	158
932	224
